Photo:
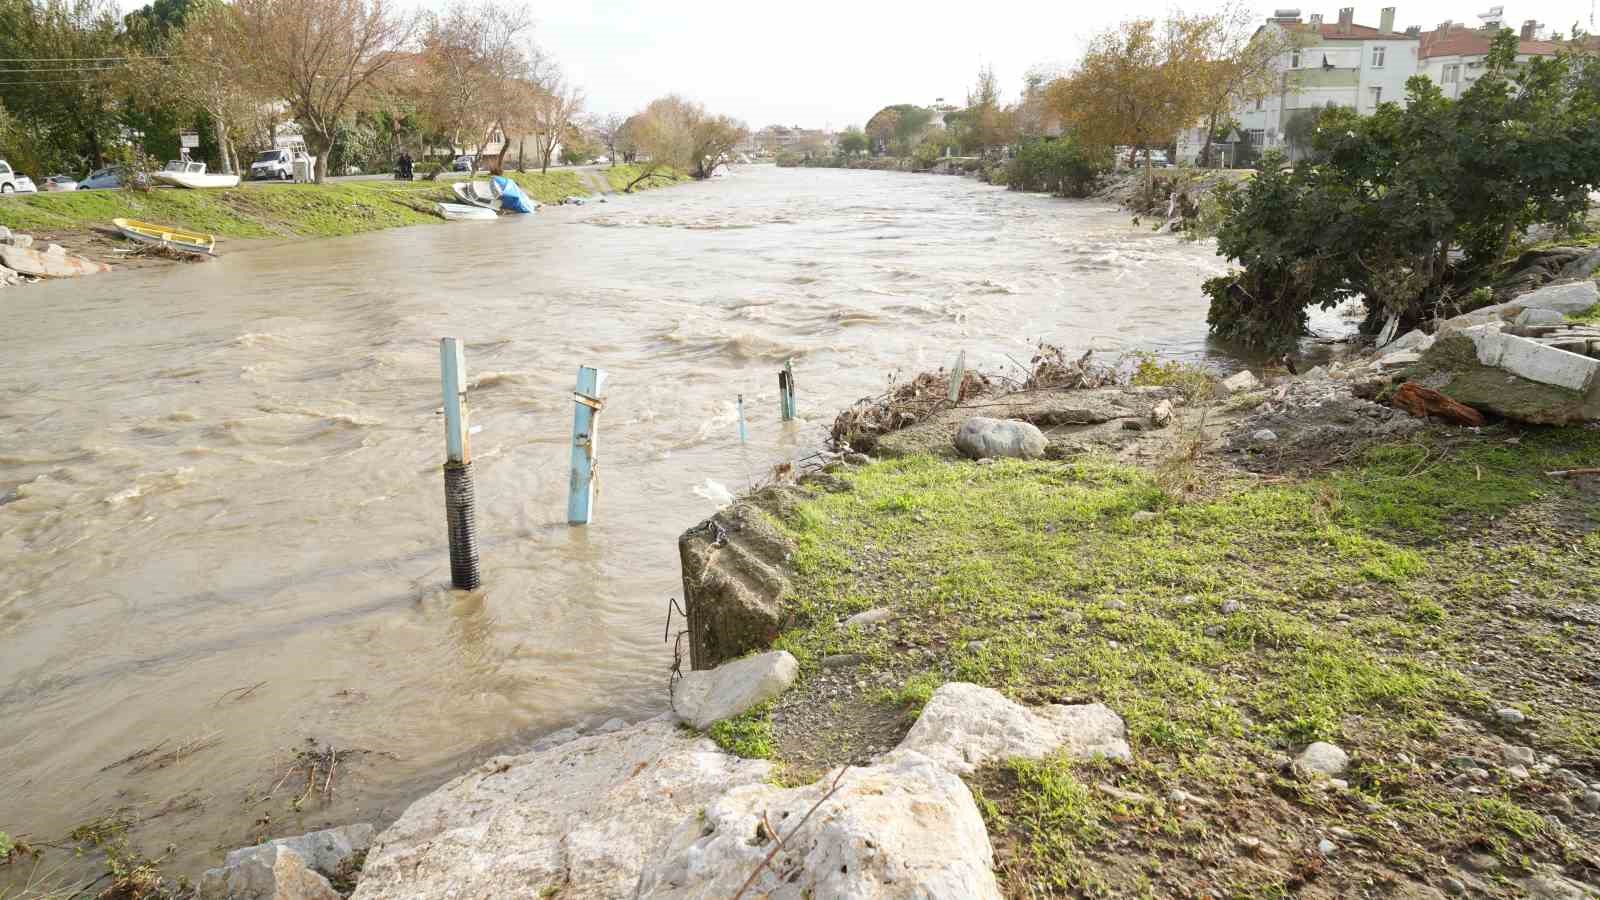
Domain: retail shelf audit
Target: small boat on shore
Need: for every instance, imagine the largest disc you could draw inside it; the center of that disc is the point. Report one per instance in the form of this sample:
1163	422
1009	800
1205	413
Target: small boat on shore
192	175
468	192
166	236
464	212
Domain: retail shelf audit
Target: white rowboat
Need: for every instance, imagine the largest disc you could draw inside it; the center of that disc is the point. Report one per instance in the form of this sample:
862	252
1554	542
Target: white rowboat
192	175
463	212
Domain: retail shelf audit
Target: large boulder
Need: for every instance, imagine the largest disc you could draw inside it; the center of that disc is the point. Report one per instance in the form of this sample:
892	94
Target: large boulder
582	817
981	437
703	698
48	265
1569	298
734	568
905	827
964	726
288	868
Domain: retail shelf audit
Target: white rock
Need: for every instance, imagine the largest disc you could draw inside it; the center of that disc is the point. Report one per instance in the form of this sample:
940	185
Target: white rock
1161	415
266	872
1264	436
581	816
1573	297
1323	758
1240	382
1145	515
1319	373
706	697
1411	340
870	617
964	726
980	437
325	852
1399	358
903	828
1520	756
1536	316
1510	715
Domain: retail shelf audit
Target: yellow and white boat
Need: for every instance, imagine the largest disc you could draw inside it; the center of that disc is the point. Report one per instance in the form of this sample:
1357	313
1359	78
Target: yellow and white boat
167	236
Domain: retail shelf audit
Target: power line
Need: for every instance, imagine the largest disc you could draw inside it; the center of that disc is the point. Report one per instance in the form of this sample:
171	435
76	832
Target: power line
32	59
66	69
65	81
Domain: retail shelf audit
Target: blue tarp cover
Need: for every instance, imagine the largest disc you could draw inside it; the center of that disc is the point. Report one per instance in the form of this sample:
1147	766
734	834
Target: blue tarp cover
511	196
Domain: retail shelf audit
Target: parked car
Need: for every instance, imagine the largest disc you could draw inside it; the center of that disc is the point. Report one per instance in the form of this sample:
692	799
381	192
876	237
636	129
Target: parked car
464	163
61	183
102	179
12	182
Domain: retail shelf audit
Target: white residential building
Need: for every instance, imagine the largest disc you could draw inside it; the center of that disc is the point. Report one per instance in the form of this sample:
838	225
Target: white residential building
1335	64
1453	55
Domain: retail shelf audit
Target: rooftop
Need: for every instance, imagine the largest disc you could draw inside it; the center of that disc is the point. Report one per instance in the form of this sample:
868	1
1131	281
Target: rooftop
1463	41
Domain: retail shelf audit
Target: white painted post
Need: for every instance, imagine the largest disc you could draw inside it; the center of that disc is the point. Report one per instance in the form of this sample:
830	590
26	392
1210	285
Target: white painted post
957	376
585	424
460	507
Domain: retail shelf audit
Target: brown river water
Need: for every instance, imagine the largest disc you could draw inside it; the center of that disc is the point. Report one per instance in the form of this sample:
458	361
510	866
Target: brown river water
222	476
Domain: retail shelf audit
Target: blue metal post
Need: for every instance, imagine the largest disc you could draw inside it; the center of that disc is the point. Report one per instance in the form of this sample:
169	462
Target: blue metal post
587	404
460	502
786	404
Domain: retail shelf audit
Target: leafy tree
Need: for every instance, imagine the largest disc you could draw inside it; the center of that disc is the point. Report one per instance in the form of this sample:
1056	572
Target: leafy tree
1234	63
1410	206
853	142
680	134
72	108
898	129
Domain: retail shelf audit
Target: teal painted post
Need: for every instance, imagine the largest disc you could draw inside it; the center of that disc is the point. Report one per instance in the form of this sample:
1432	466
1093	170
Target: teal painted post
585	422
958	375
743	433
786	404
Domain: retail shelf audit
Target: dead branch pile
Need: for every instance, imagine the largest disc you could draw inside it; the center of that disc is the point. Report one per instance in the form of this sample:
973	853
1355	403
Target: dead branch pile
903	404
1050	368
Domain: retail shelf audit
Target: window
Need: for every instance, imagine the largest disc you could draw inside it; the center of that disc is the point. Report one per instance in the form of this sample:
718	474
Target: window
1452	73
1377	96
1294	59
1258	137
1377	57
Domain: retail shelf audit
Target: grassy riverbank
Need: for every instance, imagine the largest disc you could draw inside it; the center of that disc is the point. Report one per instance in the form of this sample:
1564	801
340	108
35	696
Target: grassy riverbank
290	210
1393	604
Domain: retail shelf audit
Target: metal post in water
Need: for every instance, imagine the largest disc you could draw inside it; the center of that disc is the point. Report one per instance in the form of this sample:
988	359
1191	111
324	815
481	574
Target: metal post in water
460	507
587	405
744	434
958	375
786	404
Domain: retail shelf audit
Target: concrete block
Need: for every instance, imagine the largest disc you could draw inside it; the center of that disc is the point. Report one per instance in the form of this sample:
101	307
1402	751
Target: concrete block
1547	365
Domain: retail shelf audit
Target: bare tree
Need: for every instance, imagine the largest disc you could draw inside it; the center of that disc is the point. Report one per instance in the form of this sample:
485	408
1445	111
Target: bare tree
1239	64
322	57
475	58
679	134
555	107
198	70
608	129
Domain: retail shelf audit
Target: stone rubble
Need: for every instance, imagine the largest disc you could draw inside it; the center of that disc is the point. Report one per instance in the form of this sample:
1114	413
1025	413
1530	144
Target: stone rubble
964	726
294	868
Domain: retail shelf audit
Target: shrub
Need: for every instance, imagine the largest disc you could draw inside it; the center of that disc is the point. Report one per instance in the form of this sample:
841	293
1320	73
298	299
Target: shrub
1061	166
1402	206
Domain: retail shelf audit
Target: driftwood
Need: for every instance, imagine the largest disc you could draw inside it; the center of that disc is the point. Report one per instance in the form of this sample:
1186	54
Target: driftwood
1423	402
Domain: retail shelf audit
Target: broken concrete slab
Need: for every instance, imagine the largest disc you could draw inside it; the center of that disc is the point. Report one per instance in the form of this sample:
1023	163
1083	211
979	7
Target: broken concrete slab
1530	359
1571	297
966	725
1453	367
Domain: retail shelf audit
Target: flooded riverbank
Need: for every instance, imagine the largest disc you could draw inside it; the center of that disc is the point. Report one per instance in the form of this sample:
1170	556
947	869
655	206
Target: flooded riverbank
221	524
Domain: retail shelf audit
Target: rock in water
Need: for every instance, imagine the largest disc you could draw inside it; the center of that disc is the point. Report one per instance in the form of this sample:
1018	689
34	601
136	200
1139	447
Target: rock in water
1423	402
581	817
267	872
706	697
904	827
48	265
981	438
733	577
1323	758
274	870
964	726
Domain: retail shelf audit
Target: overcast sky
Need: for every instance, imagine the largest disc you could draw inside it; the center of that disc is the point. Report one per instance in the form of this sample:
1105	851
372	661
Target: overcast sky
831	63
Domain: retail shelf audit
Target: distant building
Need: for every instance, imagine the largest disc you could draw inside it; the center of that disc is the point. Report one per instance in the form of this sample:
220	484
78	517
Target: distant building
775	139
1453	55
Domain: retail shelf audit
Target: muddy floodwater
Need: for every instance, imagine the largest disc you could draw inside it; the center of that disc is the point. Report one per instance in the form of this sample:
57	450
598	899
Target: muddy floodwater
221	528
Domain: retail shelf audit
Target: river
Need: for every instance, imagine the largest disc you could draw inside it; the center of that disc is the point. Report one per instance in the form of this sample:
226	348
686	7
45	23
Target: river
221	523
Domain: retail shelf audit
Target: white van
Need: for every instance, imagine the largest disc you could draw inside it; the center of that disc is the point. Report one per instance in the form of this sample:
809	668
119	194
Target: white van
276	163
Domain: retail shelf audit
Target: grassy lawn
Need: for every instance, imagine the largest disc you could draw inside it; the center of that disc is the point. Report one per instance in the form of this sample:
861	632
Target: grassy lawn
1391	606
260	211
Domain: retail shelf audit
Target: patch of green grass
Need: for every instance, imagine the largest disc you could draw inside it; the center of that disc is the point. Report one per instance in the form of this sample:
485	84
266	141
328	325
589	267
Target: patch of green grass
620	176
1590	316
748	735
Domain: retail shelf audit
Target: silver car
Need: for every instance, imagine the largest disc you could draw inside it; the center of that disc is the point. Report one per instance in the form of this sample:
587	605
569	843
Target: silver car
109	177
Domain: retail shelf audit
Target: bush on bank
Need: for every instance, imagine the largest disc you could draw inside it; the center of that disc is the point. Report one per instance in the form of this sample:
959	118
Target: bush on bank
1062	166
1411	207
